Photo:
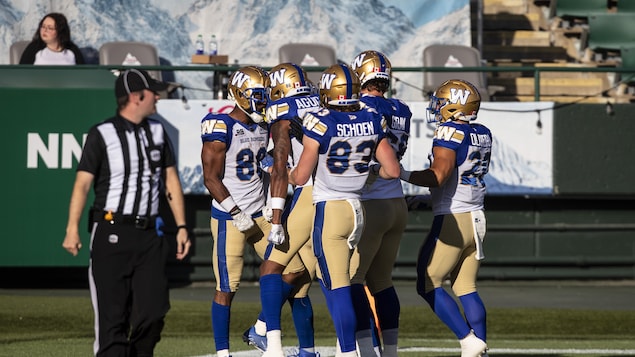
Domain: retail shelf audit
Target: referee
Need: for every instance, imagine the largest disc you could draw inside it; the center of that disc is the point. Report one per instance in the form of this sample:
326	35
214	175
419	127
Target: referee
128	159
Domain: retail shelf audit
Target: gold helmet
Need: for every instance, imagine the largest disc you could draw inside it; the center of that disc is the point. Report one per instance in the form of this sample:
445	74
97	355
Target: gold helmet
455	99
247	87
371	65
286	80
339	86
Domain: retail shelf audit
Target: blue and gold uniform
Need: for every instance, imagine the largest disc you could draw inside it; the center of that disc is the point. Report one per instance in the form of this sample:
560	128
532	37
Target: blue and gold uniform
339	143
461	152
245	147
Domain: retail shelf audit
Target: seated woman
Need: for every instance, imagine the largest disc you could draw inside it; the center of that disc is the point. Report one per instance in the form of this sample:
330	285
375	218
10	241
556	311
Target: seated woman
52	44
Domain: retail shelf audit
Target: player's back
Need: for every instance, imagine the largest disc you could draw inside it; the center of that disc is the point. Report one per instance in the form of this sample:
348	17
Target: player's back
397	115
347	141
246	145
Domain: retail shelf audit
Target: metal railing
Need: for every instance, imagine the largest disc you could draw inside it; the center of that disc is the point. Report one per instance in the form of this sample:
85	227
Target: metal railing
537	71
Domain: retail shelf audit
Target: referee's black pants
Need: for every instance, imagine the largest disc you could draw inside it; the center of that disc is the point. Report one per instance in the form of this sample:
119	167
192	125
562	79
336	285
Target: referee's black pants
129	289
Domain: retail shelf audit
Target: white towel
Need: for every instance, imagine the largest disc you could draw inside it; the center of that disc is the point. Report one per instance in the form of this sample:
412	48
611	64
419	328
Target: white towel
478	218
356	235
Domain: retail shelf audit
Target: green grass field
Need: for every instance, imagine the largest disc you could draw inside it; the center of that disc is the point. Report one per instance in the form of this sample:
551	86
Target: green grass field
63	326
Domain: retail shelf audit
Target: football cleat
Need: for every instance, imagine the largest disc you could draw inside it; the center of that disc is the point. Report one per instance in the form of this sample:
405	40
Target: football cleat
302	353
455	99
253	339
472	346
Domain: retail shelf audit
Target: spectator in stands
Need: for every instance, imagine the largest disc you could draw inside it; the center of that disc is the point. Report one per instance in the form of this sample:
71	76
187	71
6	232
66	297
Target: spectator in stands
52	44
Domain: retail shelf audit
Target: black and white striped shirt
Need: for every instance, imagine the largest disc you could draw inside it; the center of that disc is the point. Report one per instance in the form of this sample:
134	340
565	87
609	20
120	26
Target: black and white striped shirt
127	161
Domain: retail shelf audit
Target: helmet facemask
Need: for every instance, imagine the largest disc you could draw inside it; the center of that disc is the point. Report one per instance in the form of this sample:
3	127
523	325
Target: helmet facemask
248	89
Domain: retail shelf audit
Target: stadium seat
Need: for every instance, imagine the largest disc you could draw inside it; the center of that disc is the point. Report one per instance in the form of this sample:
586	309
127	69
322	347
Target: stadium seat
611	31
439	55
15	51
577	8
130	53
308	55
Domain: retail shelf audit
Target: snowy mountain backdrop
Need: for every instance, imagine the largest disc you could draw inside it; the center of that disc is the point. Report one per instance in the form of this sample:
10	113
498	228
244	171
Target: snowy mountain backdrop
251	31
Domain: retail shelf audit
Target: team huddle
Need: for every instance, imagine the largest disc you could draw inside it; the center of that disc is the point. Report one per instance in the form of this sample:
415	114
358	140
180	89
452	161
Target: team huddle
338	144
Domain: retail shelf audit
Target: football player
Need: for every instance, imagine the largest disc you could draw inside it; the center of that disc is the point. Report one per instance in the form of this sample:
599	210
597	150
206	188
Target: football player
233	145
290	97
460	158
386	214
339	142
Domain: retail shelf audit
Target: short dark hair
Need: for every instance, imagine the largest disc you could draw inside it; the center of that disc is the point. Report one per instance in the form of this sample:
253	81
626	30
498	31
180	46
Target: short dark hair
380	85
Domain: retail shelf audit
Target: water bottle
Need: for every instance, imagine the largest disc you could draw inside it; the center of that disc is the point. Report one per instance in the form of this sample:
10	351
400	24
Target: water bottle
213	46
199	45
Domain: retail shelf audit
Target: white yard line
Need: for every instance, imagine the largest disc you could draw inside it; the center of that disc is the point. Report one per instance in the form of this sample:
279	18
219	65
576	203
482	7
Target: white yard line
330	351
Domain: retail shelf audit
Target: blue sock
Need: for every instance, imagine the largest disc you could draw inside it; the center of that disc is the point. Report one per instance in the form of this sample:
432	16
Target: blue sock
388	308
302	312
271	298
448	311
220	324
361	306
475	314
343	316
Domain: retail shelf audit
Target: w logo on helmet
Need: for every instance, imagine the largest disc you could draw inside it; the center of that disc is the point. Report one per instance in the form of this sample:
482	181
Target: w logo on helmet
327	80
239	79
459	95
358	61
277	77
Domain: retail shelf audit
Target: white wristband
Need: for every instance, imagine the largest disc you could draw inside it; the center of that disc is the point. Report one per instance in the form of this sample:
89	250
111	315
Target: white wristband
278	203
228	204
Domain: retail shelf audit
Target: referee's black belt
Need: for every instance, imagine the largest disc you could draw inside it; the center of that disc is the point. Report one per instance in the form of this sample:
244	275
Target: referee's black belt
139	222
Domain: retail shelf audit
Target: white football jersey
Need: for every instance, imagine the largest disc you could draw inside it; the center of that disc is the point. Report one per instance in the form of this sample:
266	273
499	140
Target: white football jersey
464	190
246	146
347	142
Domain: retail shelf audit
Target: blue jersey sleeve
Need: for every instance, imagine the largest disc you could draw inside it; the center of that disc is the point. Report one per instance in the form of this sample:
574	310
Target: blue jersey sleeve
216	127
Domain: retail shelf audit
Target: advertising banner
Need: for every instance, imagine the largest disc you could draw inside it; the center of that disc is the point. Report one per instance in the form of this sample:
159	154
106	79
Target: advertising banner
521	164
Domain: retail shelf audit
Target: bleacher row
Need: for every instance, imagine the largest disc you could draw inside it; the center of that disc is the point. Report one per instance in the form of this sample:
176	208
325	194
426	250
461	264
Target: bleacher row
575	34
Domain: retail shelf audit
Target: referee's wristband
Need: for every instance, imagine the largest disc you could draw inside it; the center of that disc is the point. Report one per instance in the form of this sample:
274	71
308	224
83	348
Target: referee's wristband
183	226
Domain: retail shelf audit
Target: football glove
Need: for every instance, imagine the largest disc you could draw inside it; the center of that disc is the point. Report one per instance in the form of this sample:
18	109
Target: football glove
242	221
276	236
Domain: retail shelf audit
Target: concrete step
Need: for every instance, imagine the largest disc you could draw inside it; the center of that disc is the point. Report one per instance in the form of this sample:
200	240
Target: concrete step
553	86
502	21
562	99
500	53
516	38
517	7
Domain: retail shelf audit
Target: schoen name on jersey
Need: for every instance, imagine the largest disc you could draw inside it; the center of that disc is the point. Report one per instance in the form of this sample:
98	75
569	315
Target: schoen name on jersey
355	129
